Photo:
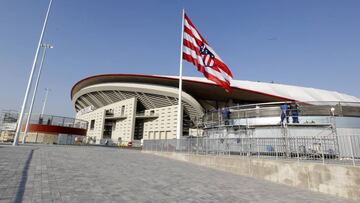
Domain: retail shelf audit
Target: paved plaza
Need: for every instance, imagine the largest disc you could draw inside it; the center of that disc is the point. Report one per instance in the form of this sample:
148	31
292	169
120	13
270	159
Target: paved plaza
50	173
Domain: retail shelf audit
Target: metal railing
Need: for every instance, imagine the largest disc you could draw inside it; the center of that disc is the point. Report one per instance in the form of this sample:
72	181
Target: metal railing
10	117
57	121
324	149
305	114
261	121
316	112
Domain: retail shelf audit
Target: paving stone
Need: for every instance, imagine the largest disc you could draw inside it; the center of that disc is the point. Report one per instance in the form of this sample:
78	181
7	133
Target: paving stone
55	173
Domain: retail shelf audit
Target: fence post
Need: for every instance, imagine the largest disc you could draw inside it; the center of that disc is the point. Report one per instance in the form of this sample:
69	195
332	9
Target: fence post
249	140
297	149
187	146
322	149
351	150
241	152
197	144
206	145
276	148
257	146
190	147
228	144
185	143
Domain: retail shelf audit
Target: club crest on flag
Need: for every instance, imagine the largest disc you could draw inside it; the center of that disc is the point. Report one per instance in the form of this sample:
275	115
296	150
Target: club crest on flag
207	56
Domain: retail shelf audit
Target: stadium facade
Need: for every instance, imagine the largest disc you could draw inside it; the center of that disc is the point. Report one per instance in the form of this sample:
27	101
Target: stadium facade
124	108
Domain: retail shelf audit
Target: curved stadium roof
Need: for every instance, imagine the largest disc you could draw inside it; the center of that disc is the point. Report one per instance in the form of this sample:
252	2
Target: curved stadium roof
201	88
199	94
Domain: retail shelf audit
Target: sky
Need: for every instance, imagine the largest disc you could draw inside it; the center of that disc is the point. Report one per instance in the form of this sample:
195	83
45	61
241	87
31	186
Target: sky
305	43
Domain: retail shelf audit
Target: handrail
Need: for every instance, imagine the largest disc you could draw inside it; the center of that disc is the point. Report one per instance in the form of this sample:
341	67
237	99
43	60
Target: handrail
304	108
52	120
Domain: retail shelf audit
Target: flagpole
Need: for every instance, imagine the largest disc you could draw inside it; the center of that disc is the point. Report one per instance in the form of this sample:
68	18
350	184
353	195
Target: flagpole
180	112
21	116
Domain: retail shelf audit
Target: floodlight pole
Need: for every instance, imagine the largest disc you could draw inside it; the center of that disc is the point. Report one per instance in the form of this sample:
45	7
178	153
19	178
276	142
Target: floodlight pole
21	116
45	46
45	100
180	112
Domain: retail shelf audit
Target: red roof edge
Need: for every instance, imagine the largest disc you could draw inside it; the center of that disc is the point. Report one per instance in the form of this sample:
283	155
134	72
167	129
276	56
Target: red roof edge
164	77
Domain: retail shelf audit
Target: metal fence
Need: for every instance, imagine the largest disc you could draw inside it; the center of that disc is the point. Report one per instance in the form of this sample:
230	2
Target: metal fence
326	149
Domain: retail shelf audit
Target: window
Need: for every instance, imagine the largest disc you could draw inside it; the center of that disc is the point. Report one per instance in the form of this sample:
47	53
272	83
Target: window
109	112
92	124
122	110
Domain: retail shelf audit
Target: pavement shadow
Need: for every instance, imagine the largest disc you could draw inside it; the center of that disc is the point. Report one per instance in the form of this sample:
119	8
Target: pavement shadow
24	175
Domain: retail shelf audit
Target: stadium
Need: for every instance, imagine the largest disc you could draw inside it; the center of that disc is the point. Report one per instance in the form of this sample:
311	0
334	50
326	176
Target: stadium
127	108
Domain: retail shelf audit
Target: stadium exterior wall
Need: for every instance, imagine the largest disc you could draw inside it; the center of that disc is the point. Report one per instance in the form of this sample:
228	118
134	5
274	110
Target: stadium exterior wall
125	108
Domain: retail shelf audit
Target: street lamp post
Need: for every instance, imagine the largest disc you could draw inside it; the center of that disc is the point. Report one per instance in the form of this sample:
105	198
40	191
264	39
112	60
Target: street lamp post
45	46
47	90
20	119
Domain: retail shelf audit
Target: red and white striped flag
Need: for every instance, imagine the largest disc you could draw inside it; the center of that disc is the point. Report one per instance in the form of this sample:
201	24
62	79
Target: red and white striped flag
198	52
